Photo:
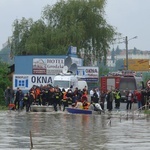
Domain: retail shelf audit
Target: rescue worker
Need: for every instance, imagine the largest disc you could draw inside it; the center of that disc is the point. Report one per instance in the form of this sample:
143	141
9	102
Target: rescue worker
17	99
37	95
56	98
26	100
32	95
64	99
69	95
51	95
117	96
21	104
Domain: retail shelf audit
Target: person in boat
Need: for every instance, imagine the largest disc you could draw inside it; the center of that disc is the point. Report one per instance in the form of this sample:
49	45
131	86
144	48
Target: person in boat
79	104
86	104
85	91
64	99
84	97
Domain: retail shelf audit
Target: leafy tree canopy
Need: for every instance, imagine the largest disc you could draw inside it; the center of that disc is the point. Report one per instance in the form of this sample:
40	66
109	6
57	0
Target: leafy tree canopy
80	23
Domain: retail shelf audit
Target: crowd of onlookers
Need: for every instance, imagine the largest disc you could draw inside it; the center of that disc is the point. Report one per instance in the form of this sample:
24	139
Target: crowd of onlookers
61	98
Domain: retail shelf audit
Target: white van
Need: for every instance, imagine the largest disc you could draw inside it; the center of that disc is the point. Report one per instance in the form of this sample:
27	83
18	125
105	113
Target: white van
66	81
82	84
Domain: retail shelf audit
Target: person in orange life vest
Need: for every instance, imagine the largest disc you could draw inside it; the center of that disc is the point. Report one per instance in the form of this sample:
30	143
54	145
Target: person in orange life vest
64	99
138	95
84	97
37	95
86	104
85	90
32	95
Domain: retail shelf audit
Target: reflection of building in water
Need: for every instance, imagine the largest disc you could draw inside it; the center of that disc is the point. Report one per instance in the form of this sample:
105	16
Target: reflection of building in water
39	63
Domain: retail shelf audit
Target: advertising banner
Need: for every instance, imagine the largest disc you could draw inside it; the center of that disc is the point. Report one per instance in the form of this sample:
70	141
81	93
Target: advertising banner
25	82
49	66
138	64
90	74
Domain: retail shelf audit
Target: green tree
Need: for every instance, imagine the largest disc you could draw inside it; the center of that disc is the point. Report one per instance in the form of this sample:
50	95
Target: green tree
4	81
21	33
119	64
113	55
134	51
72	22
118	51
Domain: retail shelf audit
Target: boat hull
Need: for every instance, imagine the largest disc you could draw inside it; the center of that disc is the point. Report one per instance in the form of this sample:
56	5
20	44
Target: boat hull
78	111
37	108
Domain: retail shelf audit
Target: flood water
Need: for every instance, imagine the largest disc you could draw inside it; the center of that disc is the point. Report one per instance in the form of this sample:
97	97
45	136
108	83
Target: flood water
63	131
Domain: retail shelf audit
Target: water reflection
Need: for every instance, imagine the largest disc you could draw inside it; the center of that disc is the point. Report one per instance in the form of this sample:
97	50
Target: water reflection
76	132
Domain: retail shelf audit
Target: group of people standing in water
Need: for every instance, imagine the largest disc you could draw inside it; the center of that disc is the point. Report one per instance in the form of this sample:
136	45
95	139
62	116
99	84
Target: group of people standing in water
46	96
78	98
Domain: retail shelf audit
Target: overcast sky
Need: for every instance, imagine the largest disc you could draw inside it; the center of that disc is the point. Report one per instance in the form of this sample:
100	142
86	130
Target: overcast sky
130	17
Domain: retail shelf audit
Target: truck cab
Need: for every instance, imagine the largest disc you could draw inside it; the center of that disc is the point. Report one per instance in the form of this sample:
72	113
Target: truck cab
130	82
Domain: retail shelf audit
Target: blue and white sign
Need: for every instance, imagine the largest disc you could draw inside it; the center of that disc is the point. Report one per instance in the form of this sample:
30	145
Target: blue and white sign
88	73
25	82
72	50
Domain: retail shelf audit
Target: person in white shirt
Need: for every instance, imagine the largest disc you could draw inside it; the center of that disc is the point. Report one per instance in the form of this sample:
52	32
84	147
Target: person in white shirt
91	94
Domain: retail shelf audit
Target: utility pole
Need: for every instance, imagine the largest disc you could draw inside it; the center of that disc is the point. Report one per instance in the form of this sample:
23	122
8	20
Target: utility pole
126	42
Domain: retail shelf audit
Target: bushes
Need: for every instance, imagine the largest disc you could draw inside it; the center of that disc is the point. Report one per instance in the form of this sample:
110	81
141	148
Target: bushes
4	81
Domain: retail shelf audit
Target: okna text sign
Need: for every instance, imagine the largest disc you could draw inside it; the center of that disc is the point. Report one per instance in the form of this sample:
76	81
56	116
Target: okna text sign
90	74
25	82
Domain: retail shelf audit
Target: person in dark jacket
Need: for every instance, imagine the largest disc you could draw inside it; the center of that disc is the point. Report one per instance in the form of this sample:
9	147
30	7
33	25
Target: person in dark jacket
27	102
9	95
95	97
17	99
102	99
110	98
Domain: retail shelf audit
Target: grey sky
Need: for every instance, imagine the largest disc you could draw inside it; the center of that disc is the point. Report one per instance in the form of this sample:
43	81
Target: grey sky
130	17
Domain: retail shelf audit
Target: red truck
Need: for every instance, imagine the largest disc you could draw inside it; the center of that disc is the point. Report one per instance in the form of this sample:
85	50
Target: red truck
109	82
